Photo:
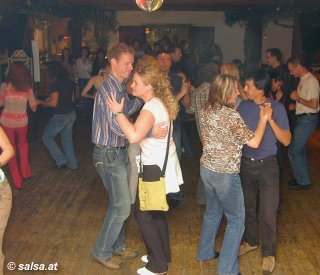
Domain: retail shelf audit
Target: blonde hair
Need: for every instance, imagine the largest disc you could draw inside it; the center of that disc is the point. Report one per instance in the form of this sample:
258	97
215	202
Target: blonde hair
231	69
221	91
149	70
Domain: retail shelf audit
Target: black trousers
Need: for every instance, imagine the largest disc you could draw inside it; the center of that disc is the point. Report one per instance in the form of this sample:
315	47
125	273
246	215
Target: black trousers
154	230
260	179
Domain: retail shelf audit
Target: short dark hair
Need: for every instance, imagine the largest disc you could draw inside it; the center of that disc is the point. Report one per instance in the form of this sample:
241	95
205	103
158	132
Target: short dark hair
57	70
119	49
276	77
260	79
299	60
275	52
173	47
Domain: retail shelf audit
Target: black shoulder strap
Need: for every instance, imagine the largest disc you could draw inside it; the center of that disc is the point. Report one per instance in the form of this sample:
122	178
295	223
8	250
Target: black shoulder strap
163	171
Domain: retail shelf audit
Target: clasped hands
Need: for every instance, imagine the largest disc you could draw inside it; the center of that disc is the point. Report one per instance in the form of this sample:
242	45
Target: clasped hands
266	111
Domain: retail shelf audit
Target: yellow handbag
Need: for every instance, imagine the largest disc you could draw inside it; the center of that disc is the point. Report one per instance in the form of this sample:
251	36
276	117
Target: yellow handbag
152	186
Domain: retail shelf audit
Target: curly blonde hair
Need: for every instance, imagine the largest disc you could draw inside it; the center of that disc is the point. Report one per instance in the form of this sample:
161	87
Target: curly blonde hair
149	70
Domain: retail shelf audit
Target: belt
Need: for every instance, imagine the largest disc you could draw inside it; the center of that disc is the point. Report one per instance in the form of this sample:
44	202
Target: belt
112	147
306	114
259	160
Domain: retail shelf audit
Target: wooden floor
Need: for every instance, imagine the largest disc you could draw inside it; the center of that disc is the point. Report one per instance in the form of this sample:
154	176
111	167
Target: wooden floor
57	216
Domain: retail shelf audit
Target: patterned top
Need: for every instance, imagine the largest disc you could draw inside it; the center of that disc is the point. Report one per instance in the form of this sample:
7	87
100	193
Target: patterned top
223	133
14	114
105	129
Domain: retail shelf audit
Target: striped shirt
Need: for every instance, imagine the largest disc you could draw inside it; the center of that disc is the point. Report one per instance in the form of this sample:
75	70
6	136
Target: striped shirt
14	114
105	129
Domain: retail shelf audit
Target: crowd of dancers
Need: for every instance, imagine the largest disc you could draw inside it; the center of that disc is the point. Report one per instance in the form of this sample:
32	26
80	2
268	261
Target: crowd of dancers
244	120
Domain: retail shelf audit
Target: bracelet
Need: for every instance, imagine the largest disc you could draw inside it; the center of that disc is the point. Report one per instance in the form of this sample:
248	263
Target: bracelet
117	114
299	100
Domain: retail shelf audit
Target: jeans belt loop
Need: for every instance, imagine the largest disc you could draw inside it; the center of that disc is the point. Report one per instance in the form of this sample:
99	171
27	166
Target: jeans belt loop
306	114
260	160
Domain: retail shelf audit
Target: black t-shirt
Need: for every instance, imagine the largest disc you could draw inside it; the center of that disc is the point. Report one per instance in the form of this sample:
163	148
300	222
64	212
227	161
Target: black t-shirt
65	88
176	84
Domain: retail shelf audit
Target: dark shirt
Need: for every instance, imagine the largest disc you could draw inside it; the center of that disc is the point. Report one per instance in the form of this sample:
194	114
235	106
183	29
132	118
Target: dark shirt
176	84
250	113
287	86
65	88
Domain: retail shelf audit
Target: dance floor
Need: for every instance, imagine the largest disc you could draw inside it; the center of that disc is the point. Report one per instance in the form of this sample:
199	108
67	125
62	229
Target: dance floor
57	217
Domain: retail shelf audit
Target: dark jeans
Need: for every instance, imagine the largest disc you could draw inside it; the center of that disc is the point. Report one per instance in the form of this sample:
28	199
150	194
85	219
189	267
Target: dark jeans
155	233
87	102
261	176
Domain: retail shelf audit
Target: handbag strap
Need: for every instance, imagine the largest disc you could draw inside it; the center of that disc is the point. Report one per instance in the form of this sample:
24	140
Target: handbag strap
163	171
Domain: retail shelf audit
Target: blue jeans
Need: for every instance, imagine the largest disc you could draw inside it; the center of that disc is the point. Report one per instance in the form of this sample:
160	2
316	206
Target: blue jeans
62	124
223	195
304	128
112	166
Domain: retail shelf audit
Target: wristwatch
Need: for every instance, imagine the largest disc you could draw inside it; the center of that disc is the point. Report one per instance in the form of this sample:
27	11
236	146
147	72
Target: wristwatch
117	114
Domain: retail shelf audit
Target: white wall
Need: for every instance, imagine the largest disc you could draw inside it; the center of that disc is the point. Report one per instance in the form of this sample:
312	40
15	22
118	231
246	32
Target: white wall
275	36
230	39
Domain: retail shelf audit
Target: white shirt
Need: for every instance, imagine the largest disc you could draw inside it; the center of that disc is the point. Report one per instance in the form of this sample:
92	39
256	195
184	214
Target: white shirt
153	150
84	70
308	88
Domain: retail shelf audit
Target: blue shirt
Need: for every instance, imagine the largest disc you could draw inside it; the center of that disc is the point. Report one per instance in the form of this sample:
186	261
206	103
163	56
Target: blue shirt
105	129
250	113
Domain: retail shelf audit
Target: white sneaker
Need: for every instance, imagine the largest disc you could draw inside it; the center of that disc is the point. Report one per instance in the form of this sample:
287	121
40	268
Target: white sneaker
144	259
144	271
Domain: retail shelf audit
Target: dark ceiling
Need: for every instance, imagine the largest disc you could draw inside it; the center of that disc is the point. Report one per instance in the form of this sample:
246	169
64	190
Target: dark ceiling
181	5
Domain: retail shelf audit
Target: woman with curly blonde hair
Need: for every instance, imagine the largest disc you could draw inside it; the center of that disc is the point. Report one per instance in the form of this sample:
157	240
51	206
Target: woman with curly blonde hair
153	87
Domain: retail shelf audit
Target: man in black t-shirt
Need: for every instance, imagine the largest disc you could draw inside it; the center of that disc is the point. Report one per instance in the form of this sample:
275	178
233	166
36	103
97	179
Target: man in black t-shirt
62	100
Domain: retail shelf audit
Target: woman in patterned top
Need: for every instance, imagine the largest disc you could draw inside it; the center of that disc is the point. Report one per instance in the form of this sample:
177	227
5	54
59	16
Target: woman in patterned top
14	96
223	136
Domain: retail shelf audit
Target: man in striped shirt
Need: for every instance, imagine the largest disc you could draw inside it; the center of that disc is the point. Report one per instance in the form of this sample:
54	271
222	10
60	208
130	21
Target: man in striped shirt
111	160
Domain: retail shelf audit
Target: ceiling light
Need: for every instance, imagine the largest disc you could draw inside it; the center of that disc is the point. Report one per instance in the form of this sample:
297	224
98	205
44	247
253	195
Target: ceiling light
149	5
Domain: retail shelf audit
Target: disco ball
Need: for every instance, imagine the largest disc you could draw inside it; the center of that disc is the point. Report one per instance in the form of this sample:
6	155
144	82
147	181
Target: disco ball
149	5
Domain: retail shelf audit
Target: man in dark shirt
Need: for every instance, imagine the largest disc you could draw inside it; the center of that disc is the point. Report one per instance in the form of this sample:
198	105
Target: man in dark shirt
259	170
62	100
274	58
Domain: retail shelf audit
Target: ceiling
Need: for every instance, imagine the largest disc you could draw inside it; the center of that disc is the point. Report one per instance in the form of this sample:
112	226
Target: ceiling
173	5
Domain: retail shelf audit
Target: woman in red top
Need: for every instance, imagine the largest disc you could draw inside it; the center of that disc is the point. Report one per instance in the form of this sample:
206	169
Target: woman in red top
14	96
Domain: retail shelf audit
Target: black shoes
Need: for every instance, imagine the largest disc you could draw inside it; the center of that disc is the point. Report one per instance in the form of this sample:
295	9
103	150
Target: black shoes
292	182
294	185
216	255
58	166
